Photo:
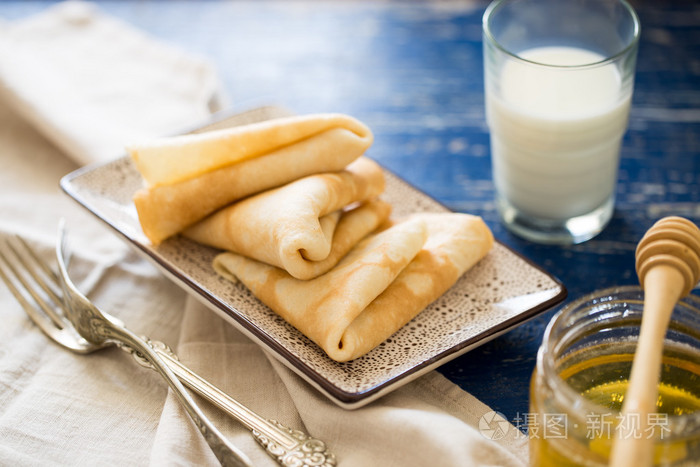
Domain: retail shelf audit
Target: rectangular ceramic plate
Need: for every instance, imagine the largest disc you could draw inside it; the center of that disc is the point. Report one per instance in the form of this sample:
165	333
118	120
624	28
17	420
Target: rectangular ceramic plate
500	292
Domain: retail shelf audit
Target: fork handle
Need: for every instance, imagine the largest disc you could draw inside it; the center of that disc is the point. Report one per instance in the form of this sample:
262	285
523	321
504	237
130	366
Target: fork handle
288	447
225	452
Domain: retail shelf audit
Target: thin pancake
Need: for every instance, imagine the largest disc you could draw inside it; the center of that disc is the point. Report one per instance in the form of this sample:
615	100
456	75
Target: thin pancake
304	227
165	209
383	283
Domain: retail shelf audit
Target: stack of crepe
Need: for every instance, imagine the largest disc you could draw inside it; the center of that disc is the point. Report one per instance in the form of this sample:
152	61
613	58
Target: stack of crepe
295	206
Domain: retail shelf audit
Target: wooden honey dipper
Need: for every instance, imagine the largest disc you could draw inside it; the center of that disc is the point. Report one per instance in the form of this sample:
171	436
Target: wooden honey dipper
668	267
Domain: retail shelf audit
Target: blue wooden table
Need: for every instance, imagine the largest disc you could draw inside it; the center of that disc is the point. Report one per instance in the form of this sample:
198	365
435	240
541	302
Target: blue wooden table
413	73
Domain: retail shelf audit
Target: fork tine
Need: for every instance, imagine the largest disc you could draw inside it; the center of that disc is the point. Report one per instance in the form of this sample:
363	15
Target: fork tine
38	280
50	322
52	287
48	326
50	273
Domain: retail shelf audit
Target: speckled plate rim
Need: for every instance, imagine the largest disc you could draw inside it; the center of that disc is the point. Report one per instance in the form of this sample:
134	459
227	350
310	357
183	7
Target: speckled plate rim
70	184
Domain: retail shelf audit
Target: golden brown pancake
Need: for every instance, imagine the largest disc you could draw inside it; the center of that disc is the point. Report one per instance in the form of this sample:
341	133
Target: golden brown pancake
190	176
383	283
305	226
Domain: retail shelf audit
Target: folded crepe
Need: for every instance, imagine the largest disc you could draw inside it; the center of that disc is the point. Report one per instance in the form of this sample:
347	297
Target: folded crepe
304	227
190	176
383	283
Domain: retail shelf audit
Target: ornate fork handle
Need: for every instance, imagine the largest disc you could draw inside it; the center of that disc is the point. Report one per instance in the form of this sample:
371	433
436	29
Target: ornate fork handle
288	447
100	327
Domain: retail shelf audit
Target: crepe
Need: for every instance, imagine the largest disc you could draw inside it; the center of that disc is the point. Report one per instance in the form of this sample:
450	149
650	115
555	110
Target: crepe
305	226
383	283
189	177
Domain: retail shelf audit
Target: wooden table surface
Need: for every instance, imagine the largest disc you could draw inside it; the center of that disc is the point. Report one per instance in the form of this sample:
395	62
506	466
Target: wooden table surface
413	72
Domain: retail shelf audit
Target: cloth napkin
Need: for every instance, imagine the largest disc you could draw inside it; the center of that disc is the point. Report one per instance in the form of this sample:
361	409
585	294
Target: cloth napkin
90	82
57	408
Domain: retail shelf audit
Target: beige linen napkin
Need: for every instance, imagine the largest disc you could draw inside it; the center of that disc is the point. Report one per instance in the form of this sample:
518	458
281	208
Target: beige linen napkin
428	422
62	409
91	83
57	408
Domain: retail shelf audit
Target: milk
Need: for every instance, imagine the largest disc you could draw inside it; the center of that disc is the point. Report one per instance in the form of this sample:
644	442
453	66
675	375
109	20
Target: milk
555	153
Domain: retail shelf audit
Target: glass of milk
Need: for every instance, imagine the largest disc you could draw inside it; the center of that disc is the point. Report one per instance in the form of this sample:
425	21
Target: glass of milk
559	76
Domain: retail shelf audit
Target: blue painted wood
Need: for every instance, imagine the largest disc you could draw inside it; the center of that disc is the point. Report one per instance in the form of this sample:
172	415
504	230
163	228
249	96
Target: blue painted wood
413	73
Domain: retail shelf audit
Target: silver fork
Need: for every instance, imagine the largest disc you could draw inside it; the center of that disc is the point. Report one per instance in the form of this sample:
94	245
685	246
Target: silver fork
70	319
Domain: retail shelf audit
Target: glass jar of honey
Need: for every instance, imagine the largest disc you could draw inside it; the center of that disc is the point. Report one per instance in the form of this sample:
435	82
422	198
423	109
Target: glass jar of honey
581	376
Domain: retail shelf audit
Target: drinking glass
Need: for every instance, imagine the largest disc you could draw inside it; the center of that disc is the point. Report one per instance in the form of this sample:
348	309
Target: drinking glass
559	77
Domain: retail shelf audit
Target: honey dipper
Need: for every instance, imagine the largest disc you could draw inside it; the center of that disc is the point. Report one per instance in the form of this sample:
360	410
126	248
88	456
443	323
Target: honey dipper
668	267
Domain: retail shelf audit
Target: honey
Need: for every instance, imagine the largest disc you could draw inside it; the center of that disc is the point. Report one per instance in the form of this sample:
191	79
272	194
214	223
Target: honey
598	380
581	377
